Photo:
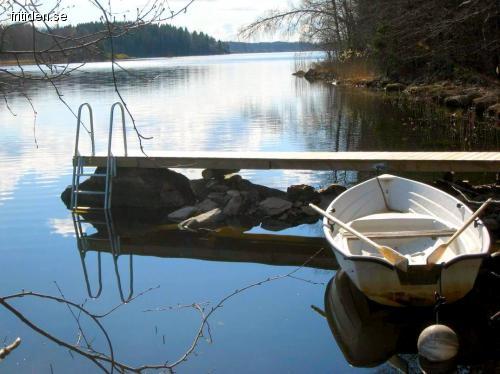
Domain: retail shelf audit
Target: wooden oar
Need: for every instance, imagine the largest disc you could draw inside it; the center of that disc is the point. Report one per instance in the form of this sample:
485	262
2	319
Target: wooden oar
388	253
436	254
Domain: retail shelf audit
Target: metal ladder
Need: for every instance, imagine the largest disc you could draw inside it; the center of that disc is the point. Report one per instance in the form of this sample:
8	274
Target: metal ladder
79	163
78	220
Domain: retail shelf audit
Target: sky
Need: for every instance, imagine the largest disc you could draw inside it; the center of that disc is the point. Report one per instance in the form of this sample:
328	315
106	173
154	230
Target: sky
218	18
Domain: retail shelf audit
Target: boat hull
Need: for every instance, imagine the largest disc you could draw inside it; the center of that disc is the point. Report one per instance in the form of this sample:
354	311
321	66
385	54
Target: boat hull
416	287
392	210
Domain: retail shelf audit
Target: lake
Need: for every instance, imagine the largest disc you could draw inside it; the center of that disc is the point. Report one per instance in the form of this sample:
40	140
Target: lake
245	102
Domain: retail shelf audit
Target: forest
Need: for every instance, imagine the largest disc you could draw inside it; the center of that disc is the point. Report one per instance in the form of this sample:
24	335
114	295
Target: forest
404	39
151	40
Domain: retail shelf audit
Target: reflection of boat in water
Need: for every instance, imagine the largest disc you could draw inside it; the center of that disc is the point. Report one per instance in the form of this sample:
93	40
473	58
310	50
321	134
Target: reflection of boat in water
369	334
413	219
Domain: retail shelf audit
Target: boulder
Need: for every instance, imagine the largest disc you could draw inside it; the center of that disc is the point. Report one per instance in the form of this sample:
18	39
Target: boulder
333	189
138	188
233	207
207	205
311	74
234	181
205	220
219	197
299	73
307	210
302	192
218	174
484	102
263	191
458	101
199	188
395	87
273	206
233	193
217	187
183	213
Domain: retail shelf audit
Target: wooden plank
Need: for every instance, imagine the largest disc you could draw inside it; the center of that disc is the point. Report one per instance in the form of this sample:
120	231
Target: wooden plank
362	161
402	234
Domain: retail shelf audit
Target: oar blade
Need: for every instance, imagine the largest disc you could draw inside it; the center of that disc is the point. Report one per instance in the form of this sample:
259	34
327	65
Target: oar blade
437	254
394	258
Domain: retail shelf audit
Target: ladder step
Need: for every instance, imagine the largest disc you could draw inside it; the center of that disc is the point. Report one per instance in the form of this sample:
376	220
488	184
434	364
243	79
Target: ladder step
82	192
93	222
91	175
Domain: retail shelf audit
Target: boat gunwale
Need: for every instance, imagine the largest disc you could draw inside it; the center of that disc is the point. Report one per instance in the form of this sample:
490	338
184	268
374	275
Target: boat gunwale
382	261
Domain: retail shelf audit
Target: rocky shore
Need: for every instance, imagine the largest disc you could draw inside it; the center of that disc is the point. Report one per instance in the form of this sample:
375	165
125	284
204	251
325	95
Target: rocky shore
483	98
224	198
219	198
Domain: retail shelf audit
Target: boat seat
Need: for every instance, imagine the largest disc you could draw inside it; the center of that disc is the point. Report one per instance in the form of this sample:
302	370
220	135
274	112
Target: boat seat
396	225
401	234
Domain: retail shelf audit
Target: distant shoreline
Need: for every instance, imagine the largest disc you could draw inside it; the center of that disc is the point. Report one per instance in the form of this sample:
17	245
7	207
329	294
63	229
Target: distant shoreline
24	62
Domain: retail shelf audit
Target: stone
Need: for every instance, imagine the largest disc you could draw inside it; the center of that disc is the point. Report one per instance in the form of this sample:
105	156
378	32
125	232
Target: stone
205	220
233	207
139	188
273	206
302	192
233	193
251	198
333	189
307	210
219	197
199	188
207	205
484	102
395	87
234	181
299	73
183	213
458	101
218	174
263	191
218	187
312	74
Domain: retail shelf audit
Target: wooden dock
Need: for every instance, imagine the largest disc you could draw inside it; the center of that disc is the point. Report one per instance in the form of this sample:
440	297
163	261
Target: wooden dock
362	161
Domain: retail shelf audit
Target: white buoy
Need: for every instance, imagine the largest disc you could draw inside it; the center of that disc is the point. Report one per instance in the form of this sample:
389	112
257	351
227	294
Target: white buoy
438	343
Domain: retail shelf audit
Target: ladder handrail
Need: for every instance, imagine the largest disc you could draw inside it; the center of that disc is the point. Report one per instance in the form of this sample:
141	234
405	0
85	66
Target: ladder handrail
79	123
110	138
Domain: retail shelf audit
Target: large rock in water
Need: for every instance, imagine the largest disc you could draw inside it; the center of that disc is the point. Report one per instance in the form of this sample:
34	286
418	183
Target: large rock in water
138	188
274	206
303	192
205	220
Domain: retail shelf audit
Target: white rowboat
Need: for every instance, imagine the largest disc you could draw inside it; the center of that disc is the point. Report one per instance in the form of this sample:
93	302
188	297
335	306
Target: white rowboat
413	219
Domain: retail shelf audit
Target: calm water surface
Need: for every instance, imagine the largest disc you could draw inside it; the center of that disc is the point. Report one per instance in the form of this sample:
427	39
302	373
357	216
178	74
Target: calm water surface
229	103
